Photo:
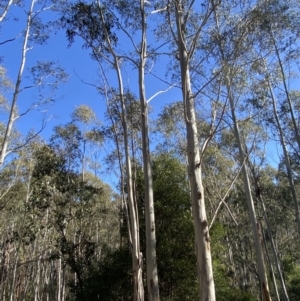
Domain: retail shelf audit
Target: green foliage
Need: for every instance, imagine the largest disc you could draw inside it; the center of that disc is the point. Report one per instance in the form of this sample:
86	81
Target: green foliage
291	266
174	226
84	114
107	279
83	20
223	272
176	258
293	284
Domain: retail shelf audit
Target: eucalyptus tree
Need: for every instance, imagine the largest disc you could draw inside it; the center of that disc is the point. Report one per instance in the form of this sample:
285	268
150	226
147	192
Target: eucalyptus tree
185	36
131	24
99	18
276	64
152	276
266	106
31	35
278	38
125	106
231	48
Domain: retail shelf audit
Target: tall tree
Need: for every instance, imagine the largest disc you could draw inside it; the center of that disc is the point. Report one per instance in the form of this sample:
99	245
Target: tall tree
34	32
228	68
96	19
152	276
181	11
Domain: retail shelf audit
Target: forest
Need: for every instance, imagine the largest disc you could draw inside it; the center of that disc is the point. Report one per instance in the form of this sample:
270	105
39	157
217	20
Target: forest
179	179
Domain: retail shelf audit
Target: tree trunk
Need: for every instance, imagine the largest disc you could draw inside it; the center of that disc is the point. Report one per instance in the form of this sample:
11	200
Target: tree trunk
152	277
264	287
286	156
12	114
254	223
273	247
286	90
137	257
202	240
9	3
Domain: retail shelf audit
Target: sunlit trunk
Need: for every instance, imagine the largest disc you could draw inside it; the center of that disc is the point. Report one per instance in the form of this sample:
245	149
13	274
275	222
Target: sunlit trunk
152	276
202	239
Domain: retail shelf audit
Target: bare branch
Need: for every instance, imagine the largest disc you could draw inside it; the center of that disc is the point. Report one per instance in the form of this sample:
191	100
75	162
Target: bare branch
159	10
224	197
160	92
6	10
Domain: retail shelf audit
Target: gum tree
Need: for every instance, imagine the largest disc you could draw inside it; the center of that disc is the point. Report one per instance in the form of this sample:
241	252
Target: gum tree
31	35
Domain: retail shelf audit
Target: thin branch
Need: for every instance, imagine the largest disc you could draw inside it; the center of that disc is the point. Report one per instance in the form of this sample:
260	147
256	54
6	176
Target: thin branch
11	184
224	197
162	80
6	10
160	92
28	139
9	40
121	27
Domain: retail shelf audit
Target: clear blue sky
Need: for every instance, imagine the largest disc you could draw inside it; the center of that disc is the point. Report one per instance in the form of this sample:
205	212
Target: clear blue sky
75	60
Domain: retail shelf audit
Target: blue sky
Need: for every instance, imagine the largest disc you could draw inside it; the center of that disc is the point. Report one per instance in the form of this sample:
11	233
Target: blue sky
77	63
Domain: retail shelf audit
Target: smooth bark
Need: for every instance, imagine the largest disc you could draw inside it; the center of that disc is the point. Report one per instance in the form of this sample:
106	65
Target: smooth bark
5	11
286	155
287	94
137	257
12	115
264	287
202	239
152	276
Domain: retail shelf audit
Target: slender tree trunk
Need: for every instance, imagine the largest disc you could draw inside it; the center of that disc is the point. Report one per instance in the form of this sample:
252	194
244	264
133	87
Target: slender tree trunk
286	156
37	281
137	258
63	284
12	115
264	287
59	280
9	3
273	246
14	275
202	239
152	276
261	231
286	90
254	223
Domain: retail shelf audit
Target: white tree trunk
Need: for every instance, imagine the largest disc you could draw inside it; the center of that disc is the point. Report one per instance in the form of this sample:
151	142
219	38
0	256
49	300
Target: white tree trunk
286	156
9	3
12	115
264	287
152	276
137	258
254	223
202	239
